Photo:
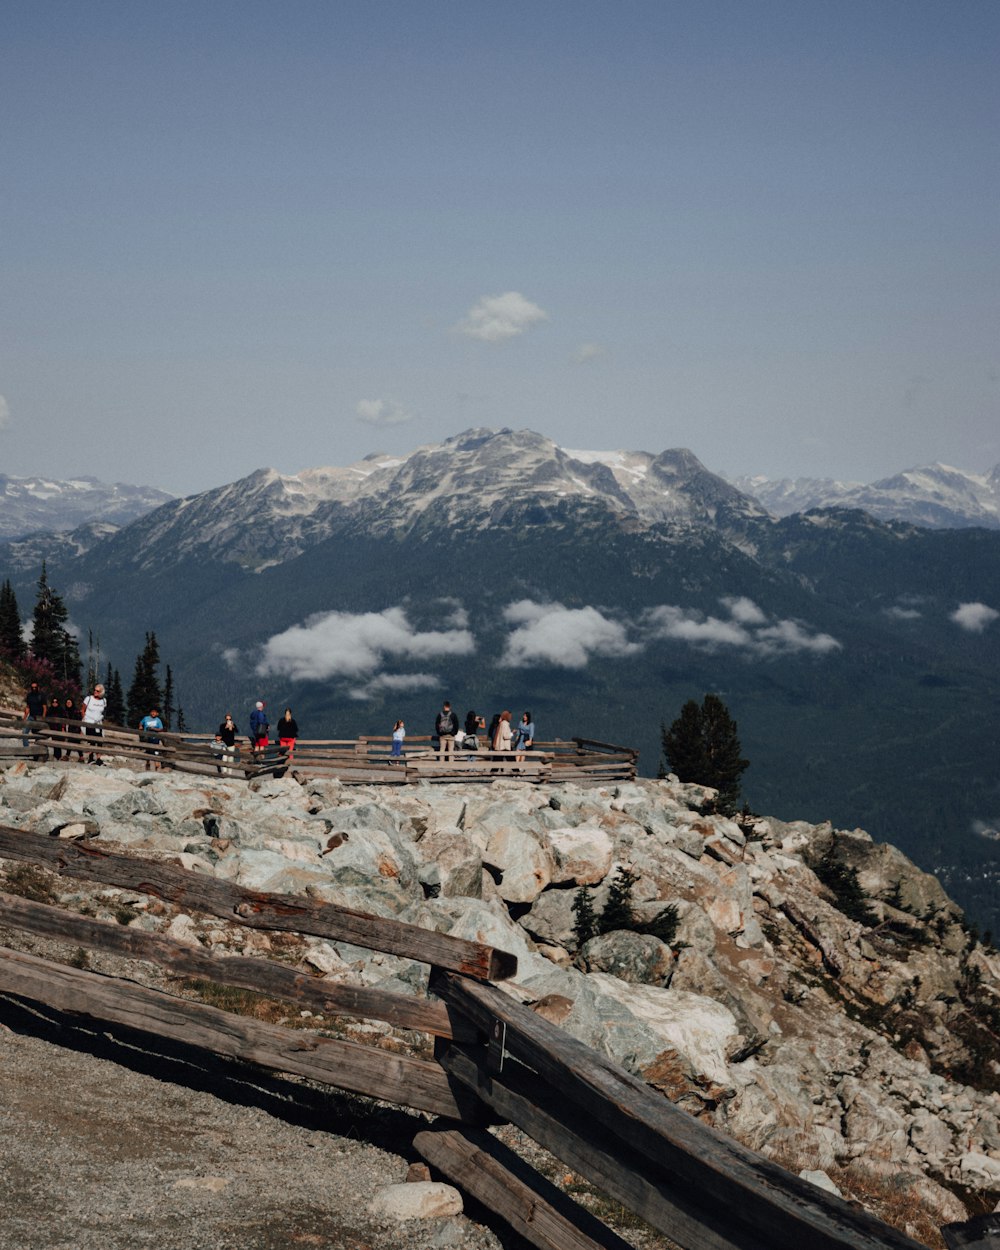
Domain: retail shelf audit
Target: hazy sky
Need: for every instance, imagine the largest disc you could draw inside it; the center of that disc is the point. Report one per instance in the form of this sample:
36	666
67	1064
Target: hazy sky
245	234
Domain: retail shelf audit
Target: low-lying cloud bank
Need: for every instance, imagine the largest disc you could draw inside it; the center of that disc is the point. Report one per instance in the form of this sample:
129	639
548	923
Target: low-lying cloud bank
369	652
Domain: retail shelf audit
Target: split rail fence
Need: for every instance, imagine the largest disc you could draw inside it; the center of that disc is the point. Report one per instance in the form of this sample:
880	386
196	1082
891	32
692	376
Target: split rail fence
362	761
495	1061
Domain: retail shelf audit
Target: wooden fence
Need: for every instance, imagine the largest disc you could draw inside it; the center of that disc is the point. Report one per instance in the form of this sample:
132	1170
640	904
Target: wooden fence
361	761
495	1060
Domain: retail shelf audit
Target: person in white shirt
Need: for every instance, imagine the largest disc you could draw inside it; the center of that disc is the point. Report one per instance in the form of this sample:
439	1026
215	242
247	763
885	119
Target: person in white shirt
94	706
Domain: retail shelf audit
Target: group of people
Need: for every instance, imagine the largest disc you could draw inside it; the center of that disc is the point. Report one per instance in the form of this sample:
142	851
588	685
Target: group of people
502	736
65	717
286	732
68	717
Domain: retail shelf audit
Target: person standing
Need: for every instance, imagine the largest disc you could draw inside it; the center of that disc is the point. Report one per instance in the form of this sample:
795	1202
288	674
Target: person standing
398	735
524	736
34	710
94	706
502	737
227	737
258	728
287	731
148	727
446	727
72	716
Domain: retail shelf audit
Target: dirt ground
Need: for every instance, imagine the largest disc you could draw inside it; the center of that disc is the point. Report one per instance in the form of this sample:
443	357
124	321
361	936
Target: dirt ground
108	1145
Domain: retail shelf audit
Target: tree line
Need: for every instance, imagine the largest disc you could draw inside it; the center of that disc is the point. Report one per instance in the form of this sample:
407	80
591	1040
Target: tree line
51	656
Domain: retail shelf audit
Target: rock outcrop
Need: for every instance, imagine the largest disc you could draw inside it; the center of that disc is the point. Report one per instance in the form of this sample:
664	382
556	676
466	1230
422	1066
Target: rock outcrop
830	1042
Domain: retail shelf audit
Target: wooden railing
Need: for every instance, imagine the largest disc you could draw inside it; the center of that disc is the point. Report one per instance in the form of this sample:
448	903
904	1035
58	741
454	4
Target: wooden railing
495	1060
364	761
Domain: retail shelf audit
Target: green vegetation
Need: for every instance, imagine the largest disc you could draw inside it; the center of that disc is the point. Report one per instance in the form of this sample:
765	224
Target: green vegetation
702	746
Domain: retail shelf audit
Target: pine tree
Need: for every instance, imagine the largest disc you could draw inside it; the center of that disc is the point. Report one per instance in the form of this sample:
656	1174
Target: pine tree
617	913
167	711
115	711
11	636
50	640
144	692
702	745
585	924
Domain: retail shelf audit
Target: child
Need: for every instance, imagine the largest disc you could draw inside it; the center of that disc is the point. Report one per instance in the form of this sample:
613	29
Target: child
398	734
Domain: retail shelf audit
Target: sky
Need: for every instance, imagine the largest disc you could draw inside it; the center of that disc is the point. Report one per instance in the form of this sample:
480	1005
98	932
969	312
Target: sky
237	235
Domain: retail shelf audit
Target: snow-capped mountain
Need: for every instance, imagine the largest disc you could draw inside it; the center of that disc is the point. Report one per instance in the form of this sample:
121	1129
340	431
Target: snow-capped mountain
479	480
937	496
32	504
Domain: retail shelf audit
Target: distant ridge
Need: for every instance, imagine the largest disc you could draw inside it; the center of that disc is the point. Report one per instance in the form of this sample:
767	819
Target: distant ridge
29	505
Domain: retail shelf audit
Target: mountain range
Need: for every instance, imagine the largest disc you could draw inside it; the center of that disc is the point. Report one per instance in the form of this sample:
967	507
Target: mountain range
600	590
30	504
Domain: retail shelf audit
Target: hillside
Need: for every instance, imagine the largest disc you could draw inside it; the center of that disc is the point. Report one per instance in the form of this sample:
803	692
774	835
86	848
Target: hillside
820	998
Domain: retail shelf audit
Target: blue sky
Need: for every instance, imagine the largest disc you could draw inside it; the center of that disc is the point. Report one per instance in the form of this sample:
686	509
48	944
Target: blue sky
246	234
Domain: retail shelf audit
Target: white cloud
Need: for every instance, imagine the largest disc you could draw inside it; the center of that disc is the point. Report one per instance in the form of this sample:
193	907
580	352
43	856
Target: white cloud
394	683
587	352
4	413
549	633
342	644
974	616
744	610
498	317
987	829
231	656
382	412
903	614
749	627
686	625
791	636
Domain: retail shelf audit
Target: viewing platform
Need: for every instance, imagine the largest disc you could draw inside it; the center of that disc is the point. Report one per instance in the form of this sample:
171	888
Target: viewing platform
366	760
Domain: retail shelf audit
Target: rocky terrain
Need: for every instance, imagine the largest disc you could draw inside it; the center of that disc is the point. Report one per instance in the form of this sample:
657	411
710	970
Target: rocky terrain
820	998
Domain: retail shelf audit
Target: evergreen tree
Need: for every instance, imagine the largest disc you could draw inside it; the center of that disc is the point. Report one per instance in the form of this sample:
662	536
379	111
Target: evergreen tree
144	692
617	913
115	711
167	711
181	722
50	640
702	745
11	636
585	924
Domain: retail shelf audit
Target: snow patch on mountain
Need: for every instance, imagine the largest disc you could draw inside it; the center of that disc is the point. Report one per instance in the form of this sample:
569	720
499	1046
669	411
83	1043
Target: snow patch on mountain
29	505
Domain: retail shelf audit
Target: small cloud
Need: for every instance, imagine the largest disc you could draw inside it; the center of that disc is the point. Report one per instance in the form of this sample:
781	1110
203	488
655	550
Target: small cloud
549	633
974	616
791	636
499	317
744	610
903	614
587	352
394	683
382	412
687	625
356	646
231	656
4	413
749	627
987	829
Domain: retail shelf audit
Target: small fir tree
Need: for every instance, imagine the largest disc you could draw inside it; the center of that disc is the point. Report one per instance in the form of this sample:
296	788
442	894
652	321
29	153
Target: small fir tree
50	640
617	913
167	710
11	635
663	925
144	692
585	924
115	711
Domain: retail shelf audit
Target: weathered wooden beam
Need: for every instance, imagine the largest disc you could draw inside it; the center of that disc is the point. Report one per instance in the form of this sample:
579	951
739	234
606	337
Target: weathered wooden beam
583	1144
783	1210
287	913
345	1065
485	1168
259	975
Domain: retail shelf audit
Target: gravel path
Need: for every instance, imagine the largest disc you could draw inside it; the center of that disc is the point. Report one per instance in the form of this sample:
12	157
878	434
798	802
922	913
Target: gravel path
105	1145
